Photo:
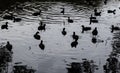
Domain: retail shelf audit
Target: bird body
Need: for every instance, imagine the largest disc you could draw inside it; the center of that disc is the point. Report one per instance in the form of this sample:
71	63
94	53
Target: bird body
95	32
114	28
74	36
70	20
93	21
42	27
37	13
36	36
8	17
85	28
41	45
91	18
74	44
96	13
112	11
5	26
16	19
64	32
63	11
9	46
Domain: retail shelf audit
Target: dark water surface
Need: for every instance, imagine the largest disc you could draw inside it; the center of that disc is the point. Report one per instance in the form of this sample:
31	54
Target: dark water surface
58	56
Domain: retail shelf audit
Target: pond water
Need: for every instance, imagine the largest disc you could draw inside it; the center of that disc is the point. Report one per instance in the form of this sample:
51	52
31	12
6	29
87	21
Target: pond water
58	53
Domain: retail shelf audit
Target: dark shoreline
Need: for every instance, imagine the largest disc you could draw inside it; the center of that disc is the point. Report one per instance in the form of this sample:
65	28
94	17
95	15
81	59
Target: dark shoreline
4	4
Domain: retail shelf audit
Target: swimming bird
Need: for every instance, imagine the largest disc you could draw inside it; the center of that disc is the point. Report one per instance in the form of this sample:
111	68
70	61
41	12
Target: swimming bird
112	11
64	32
94	40
63	11
70	20
91	17
5	26
95	32
9	46
41	45
8	17
85	28
105	2
74	36
114	28
42	27
16	19
37	13
93	21
74	44
36	36
96	13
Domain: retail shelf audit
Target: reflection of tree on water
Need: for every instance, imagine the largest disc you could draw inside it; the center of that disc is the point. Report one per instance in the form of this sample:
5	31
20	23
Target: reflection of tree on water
112	65
22	69
112	62
5	58
84	67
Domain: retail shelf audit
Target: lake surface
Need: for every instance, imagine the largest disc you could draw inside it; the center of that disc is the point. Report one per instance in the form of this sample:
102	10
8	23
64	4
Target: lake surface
58	53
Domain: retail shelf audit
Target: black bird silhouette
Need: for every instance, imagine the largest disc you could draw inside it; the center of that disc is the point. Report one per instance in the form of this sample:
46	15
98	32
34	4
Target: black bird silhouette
36	36
64	32
41	45
5	26
37	13
9	46
105	2
16	19
93	21
8	17
92	18
63	11
94	40
42	27
95	32
74	44
70	20
85	28
112	11
114	28
74	36
96	13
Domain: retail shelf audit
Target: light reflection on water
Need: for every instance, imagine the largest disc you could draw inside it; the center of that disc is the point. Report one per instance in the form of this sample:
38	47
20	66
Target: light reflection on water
58	51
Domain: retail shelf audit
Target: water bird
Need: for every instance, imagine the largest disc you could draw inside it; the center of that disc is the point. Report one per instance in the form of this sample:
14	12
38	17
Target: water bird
112	11
16	19
36	36
93	21
114	28
8	17
70	20
74	43
64	32
95	32
74	36
92	18
85	28
41	45
5	26
63	11
94	40
96	13
42	27
37	13
9	46
105	2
